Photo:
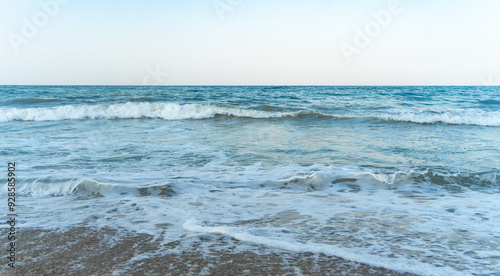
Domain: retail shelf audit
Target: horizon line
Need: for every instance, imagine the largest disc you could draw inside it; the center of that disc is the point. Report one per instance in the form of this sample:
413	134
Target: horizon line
264	85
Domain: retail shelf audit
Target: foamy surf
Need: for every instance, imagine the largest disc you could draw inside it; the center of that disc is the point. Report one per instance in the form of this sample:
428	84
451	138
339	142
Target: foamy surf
404	220
454	117
406	265
390	176
130	110
88	187
297	178
176	111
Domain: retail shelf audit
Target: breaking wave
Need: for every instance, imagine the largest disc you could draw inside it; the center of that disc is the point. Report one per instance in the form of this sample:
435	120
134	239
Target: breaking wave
325	178
453	116
88	187
175	111
129	110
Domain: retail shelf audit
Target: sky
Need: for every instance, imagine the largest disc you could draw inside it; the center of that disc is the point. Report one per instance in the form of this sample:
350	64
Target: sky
243	42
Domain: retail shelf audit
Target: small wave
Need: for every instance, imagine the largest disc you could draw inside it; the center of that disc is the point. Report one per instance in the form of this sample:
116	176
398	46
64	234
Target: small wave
490	102
129	110
141	99
454	117
174	111
471	180
315	181
88	187
450	116
355	178
34	100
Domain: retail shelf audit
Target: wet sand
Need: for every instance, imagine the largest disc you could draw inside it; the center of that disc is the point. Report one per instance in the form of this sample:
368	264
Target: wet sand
86	251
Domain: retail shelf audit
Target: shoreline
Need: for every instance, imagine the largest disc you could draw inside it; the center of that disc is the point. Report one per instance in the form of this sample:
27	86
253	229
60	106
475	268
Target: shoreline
88	251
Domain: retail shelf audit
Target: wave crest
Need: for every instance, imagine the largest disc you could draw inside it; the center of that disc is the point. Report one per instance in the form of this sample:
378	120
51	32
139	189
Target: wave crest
129	110
357	177
176	111
454	117
88	187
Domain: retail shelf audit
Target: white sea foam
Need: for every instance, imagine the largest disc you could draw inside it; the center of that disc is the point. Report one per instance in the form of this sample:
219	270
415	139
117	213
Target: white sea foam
360	214
86	186
129	110
406	265
451	116
447	116
318	177
426	200
175	111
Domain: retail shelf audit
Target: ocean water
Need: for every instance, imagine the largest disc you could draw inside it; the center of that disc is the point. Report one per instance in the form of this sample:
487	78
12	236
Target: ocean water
400	177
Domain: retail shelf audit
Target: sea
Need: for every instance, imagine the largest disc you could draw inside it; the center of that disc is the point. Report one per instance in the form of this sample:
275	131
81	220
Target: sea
404	178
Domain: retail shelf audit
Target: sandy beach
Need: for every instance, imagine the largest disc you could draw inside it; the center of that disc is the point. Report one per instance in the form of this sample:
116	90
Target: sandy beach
86	251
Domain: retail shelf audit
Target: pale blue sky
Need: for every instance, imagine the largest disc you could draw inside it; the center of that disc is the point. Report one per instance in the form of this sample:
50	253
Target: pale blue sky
243	42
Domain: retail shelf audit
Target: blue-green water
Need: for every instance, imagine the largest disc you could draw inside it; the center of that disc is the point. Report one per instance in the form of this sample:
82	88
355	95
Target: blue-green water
402	177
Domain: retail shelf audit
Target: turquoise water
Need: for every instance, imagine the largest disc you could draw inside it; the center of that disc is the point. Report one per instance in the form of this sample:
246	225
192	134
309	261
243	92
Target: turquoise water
401	177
